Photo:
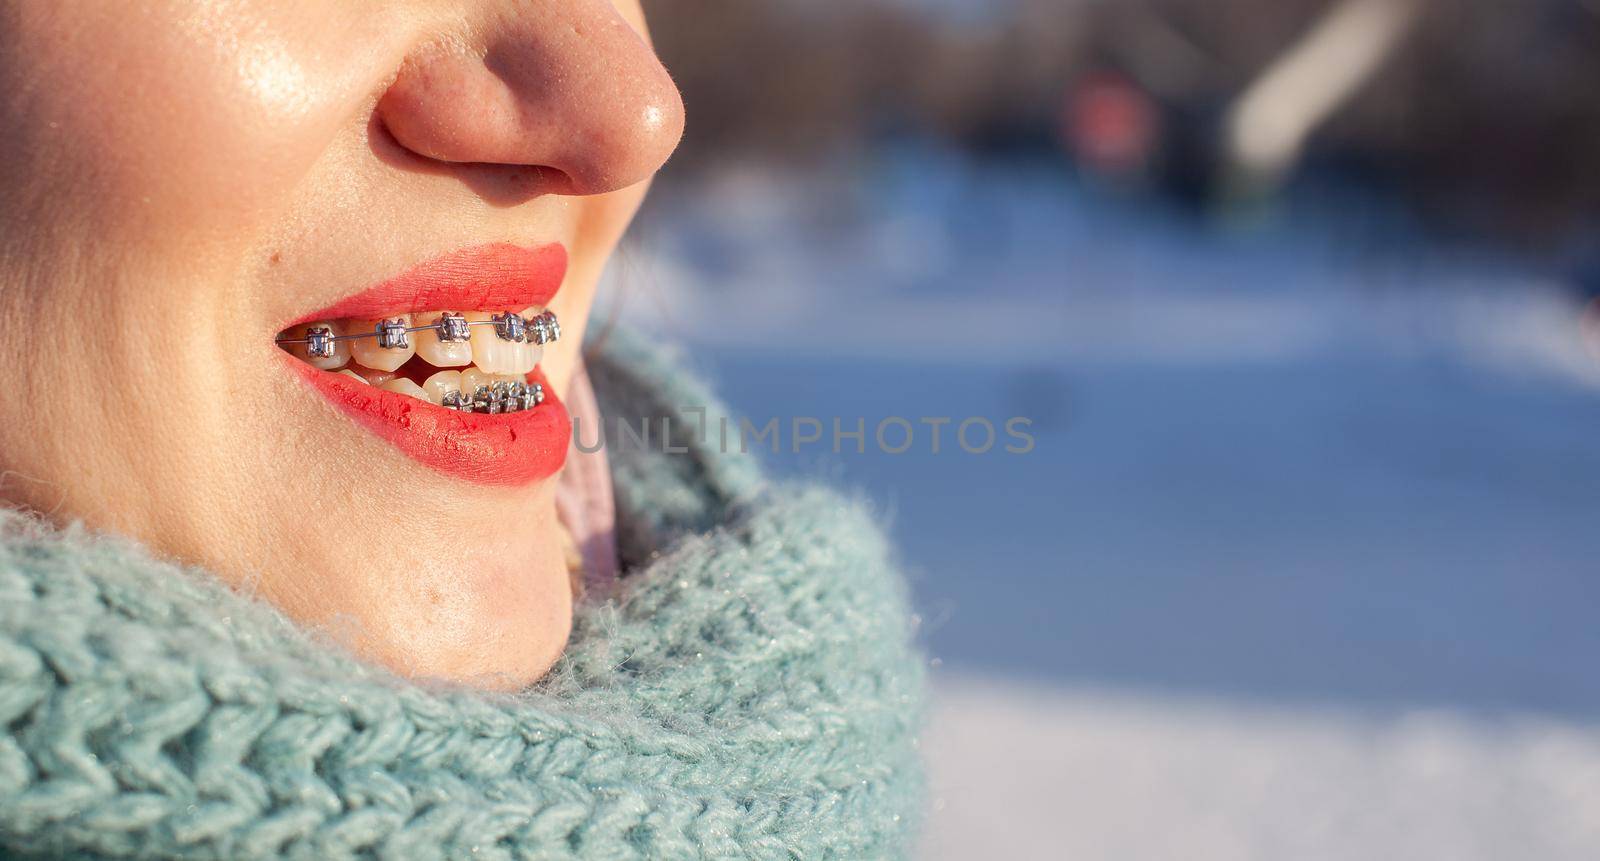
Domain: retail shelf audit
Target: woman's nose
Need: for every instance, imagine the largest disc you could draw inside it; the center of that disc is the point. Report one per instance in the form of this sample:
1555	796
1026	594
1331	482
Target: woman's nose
566	86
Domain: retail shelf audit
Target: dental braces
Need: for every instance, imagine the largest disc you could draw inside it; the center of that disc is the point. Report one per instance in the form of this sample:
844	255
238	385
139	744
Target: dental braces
497	398
452	328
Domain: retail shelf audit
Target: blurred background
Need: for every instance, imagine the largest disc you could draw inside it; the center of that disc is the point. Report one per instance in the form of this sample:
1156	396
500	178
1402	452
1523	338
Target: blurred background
1299	296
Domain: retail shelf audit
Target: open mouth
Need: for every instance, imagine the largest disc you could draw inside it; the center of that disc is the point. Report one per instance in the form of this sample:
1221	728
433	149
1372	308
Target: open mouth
469	361
443	363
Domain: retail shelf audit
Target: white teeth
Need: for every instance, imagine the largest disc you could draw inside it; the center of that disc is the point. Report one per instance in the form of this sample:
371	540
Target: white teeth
367	352
528	354
341	349
492	355
489	353
376	350
440	354
405	387
441	384
474	377
524	358
376	378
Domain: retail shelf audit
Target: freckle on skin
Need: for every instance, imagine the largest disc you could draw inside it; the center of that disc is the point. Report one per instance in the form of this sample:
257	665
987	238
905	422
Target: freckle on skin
276	258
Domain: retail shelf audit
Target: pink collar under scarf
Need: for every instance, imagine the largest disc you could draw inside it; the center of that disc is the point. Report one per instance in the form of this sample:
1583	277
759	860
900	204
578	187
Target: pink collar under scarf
584	500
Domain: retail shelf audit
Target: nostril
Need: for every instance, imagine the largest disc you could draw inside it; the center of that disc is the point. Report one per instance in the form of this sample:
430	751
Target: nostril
500	185
386	143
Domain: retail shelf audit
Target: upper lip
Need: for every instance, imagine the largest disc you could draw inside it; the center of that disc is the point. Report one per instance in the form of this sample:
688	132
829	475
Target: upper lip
495	277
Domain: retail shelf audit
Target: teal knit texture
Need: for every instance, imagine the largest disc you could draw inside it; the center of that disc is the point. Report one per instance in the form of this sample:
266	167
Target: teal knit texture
752	693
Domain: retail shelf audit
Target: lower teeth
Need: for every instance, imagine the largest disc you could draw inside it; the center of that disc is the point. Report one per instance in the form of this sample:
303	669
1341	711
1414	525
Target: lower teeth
497	399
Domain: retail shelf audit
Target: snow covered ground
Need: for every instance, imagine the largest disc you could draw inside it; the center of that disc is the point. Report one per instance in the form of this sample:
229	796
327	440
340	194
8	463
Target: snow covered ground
1027	771
1303	563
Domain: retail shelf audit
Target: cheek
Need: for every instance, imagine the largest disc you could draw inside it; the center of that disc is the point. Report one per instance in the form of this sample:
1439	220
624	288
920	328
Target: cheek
194	118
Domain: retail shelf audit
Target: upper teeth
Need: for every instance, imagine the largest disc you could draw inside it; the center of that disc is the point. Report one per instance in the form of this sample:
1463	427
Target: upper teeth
393	333
505	345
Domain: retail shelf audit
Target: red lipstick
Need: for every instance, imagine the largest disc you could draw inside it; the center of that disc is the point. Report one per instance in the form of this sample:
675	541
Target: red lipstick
511	450
499	277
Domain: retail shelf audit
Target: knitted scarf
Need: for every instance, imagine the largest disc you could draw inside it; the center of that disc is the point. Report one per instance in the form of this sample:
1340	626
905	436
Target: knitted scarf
750	693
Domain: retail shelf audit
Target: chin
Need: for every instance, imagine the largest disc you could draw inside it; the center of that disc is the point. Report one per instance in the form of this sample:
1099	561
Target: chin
468	593
491	627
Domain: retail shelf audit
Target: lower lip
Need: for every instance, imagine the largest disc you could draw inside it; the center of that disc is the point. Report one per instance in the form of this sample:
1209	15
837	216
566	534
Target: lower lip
511	450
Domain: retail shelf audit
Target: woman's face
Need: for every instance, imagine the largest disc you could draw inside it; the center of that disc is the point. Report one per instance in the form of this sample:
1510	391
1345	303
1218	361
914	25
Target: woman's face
188	181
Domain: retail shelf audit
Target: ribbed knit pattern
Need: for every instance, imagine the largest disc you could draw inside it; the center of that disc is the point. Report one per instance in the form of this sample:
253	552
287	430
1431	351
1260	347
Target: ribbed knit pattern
752	694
